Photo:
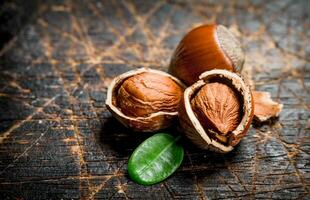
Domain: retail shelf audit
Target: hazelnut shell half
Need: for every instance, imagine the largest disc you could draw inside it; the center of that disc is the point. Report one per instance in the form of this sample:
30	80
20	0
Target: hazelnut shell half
194	130
155	121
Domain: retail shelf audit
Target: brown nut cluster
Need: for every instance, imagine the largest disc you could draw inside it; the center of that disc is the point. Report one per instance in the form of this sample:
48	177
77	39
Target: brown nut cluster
145	100
216	112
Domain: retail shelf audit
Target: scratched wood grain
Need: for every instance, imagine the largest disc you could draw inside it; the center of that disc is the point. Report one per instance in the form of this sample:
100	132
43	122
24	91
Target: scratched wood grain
58	141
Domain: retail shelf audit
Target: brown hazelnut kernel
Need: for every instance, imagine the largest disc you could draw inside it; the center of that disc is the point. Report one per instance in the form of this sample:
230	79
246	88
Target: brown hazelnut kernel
217	107
145	99
146	93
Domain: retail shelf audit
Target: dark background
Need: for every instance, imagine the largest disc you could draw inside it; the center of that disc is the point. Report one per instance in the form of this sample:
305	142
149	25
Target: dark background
57	58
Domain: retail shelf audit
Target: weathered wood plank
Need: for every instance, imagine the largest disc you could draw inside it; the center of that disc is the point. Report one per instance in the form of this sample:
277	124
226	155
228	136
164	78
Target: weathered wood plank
57	139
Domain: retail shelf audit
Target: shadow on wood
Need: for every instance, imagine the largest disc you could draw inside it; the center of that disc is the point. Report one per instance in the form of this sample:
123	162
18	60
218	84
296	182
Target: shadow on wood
119	138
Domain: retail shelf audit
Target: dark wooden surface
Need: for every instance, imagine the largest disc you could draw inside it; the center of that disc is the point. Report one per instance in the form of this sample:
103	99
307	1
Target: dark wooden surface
58	141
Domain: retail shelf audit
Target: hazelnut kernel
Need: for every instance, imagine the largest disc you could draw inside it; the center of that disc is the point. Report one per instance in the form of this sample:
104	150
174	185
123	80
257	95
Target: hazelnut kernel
144	99
217	108
147	93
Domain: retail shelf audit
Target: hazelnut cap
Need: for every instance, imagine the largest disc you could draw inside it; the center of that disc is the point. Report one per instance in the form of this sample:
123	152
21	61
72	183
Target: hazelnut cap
191	125
151	123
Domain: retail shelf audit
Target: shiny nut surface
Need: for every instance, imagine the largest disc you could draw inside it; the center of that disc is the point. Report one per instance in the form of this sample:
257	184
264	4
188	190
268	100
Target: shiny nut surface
146	93
144	100
216	111
217	108
205	48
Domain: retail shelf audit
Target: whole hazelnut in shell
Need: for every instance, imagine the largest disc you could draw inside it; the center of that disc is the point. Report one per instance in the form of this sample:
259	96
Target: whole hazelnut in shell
216	111
145	100
205	48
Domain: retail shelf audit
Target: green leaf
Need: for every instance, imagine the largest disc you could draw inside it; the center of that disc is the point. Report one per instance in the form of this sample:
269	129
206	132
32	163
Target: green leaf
155	159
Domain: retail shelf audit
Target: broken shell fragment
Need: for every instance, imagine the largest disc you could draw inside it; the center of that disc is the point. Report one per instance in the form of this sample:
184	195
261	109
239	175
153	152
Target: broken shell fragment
264	107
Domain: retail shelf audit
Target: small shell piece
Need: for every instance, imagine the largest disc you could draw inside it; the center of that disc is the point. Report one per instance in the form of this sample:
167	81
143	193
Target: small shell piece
205	48
153	122
191	125
265	107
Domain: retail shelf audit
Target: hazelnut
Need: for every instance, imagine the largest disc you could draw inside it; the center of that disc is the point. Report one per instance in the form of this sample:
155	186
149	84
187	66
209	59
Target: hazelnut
145	100
217	111
205	48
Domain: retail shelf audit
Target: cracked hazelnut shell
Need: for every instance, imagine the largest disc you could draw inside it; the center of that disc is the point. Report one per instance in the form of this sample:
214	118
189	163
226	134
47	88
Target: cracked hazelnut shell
145	100
265	107
216	111
205	48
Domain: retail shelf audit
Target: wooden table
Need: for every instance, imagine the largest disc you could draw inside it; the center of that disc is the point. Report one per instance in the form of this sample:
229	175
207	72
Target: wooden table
58	141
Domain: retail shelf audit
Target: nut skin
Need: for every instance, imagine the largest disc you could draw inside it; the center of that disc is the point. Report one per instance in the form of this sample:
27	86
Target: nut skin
205	48
204	136
153	118
146	93
217	108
